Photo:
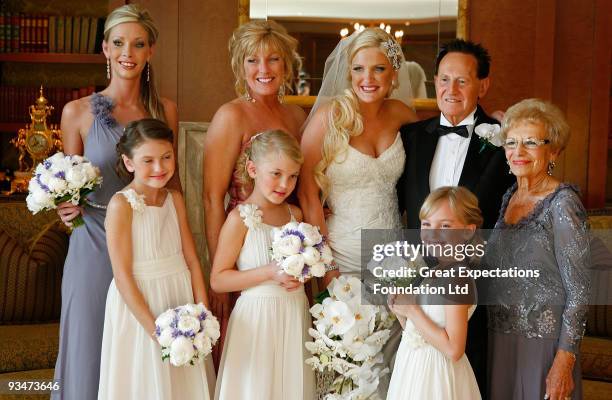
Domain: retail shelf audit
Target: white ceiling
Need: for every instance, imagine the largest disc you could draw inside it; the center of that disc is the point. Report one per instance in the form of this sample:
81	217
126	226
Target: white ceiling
355	9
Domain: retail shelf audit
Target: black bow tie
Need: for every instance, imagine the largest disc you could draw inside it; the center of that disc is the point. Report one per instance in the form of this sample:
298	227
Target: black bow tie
460	130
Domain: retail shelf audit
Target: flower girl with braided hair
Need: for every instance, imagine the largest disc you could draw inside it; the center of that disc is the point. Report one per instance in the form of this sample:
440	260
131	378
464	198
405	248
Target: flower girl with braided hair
264	353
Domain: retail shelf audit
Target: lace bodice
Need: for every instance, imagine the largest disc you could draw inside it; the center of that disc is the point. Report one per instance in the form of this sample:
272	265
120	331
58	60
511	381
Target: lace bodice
362	188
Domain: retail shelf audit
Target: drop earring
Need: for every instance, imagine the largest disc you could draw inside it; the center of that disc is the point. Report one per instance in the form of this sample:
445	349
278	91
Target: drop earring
148	71
108	68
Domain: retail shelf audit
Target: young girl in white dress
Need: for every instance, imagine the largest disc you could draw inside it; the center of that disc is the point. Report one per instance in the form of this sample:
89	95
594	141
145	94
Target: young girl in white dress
264	353
155	267
431	363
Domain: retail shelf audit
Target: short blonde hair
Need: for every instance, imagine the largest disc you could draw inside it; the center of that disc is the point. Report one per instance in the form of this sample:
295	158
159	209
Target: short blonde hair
256	35
536	111
462	202
260	146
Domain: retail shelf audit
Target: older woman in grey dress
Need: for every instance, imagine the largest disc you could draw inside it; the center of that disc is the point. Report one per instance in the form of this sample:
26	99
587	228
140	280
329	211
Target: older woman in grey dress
91	127
537	324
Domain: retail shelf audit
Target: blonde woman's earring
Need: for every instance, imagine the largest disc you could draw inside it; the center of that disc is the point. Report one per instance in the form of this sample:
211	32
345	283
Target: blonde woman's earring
281	93
108	68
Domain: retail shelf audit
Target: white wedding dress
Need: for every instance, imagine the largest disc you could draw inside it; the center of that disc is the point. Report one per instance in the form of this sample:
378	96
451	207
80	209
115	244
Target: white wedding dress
362	195
423	372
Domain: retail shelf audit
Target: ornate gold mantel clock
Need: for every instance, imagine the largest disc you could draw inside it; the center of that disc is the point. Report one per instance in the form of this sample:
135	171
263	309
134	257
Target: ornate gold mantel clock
37	139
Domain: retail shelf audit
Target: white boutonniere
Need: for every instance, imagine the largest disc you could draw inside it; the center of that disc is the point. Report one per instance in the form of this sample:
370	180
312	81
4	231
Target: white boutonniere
489	134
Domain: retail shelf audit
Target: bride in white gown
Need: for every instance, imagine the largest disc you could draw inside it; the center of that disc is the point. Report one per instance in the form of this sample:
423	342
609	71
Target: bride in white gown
353	153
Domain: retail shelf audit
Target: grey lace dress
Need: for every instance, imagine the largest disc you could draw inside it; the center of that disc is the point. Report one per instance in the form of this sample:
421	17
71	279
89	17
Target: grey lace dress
532	317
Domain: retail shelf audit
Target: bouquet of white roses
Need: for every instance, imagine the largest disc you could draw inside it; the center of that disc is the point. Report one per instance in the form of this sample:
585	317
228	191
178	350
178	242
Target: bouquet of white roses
301	251
62	178
186	333
348	341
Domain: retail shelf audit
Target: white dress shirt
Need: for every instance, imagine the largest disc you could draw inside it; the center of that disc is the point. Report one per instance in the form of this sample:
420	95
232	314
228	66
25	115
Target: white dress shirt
449	157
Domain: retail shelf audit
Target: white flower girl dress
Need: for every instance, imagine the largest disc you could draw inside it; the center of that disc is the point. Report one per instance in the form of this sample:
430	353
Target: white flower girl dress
131	365
263	356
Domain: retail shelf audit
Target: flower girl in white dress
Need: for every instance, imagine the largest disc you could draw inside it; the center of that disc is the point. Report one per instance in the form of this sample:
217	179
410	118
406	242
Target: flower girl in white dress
155	267
264	353
431	363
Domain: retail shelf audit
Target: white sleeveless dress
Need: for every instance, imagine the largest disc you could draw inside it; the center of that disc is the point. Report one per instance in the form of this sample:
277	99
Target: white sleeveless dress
131	366
263	356
423	372
363	195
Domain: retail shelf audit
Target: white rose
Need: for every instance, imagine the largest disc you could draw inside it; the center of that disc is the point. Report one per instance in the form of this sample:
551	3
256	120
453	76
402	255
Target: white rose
76	179
76	159
288	245
326	254
44	177
181	351
41	197
317	269
193	310
202	343
293	265
290	226
311	255
57	185
188	323
32	204
165	319
90	171
165	337
311	234
211	328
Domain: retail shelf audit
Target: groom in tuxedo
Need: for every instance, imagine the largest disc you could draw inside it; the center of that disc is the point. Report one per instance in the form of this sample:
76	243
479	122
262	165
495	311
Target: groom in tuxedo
445	151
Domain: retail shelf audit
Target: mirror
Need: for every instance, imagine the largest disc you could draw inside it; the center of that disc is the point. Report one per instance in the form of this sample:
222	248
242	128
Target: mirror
419	25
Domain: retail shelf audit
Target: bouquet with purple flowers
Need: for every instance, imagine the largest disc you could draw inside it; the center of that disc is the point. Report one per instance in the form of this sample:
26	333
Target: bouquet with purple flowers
186	333
301	251
62	178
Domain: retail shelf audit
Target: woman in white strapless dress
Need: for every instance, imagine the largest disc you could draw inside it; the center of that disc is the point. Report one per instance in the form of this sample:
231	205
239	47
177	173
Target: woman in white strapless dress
353	154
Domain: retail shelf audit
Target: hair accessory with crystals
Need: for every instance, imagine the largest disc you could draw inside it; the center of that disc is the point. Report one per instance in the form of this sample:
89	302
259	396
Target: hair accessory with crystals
394	53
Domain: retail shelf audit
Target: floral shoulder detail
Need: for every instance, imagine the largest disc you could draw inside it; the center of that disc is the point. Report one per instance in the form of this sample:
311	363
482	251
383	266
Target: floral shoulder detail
102	108
251	215
136	200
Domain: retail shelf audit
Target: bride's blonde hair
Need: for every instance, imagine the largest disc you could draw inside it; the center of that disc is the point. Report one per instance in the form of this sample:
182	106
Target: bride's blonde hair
344	119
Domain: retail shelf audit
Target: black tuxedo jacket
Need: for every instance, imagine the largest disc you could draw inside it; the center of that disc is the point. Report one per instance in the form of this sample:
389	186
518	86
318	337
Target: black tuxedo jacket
486	173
